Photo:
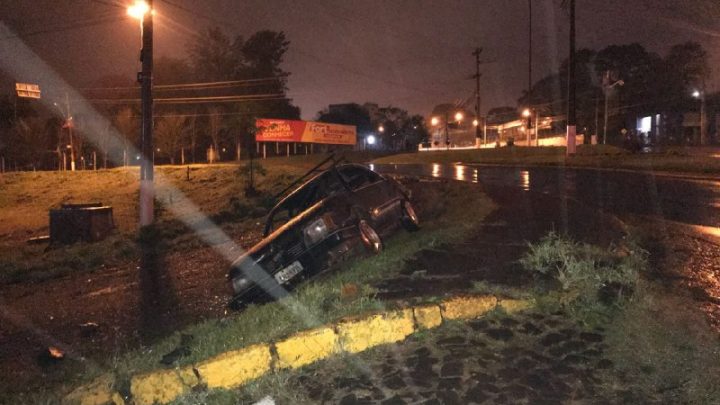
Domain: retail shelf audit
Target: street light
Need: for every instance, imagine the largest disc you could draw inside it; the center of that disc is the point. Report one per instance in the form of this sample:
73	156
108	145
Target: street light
703	131
607	91
458	118
381	128
138	10
69	125
476	122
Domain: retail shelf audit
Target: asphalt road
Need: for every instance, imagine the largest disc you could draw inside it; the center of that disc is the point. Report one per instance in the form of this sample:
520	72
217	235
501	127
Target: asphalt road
691	202
679	219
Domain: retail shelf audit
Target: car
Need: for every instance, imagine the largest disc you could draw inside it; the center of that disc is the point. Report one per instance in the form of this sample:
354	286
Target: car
341	211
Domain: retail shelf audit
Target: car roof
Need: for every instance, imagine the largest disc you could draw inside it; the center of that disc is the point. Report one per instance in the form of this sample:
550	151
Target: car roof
299	188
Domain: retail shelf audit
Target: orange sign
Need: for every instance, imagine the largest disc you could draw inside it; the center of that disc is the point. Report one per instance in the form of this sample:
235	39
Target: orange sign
276	130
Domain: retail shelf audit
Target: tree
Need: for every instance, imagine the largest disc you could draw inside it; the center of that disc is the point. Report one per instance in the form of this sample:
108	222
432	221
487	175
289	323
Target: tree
213	56
169	136
215	127
348	114
192	135
128	126
28	142
167	70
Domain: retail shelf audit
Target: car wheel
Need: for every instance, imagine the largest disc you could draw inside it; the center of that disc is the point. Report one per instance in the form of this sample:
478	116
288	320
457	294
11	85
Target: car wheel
370	238
409	219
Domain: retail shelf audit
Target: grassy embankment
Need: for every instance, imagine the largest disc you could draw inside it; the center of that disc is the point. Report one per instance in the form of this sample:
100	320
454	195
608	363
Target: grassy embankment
216	190
658	340
660	347
443	206
681	160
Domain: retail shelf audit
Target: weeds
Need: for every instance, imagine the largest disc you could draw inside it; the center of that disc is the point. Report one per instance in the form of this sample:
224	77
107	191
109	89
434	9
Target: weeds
582	278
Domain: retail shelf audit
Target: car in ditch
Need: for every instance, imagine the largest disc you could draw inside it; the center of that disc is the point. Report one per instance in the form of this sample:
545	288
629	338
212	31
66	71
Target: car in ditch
343	210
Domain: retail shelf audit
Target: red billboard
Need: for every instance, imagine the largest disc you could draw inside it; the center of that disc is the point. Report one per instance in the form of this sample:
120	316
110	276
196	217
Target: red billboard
277	130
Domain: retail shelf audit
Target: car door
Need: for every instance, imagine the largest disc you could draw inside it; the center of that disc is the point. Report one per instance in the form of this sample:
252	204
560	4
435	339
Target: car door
378	198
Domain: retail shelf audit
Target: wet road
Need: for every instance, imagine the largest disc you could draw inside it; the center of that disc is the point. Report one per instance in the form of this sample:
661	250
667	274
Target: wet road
679	200
678	220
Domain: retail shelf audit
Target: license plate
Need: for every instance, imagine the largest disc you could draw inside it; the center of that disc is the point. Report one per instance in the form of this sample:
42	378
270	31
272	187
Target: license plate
288	272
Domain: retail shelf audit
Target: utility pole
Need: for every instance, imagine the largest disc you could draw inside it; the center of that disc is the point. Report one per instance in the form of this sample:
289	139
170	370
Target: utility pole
147	192
530	47
529	91
477	53
571	115
703	116
69	123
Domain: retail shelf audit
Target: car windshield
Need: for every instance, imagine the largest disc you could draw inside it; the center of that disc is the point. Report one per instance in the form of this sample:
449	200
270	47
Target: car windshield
485	202
303	198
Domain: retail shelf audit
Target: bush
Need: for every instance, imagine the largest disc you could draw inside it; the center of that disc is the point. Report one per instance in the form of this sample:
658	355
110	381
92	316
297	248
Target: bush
584	274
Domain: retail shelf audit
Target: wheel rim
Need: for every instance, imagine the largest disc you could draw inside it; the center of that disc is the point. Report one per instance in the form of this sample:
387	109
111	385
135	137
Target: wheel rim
410	212
369	236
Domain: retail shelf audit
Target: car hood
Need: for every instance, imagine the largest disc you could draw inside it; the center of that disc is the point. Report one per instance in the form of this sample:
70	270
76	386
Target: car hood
257	251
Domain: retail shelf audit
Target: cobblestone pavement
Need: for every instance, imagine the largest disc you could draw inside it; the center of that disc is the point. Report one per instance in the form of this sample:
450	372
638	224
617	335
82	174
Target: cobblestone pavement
531	359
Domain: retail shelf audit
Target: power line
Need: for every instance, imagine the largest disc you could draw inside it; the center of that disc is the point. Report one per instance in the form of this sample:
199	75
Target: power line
197	100
194	13
195	86
100	21
110	3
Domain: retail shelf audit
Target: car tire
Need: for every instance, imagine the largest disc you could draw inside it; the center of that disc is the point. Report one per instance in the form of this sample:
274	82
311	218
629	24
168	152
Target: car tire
369	237
409	219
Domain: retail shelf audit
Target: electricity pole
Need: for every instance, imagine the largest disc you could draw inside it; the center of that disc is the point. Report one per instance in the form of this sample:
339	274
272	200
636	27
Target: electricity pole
147	192
571	115
530	47
529	91
69	123
477	53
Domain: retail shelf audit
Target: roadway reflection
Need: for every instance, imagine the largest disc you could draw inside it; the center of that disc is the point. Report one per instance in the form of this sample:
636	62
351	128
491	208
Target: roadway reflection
680	200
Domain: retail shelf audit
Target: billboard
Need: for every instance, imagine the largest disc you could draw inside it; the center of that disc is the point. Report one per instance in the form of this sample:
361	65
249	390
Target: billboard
276	130
27	90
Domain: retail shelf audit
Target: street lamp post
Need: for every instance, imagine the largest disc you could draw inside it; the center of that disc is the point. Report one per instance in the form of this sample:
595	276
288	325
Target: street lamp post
607	91
142	10
69	125
434	121
527	114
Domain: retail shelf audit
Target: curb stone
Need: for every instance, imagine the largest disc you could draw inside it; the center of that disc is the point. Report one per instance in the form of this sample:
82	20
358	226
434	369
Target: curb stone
235	368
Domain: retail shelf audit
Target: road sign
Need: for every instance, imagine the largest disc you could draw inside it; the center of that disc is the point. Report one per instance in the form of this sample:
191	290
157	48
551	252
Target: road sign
27	90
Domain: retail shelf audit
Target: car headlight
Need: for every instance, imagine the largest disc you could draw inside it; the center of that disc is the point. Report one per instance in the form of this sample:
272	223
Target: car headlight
240	284
315	232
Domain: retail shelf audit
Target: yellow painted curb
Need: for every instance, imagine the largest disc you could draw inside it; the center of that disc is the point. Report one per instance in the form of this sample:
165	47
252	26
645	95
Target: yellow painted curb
468	307
162	386
362	334
428	317
98	392
235	368
511	306
306	347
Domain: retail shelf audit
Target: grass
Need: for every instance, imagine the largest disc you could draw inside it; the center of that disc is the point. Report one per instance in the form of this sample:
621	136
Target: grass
588	282
218	191
315	303
595	156
666	349
319	302
659	342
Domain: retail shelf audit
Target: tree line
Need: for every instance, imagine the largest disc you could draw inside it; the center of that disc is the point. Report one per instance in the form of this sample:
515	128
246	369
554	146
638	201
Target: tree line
237	72
637	83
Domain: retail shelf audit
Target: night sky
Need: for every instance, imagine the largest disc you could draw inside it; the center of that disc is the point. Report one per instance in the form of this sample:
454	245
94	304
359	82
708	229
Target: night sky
413	54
